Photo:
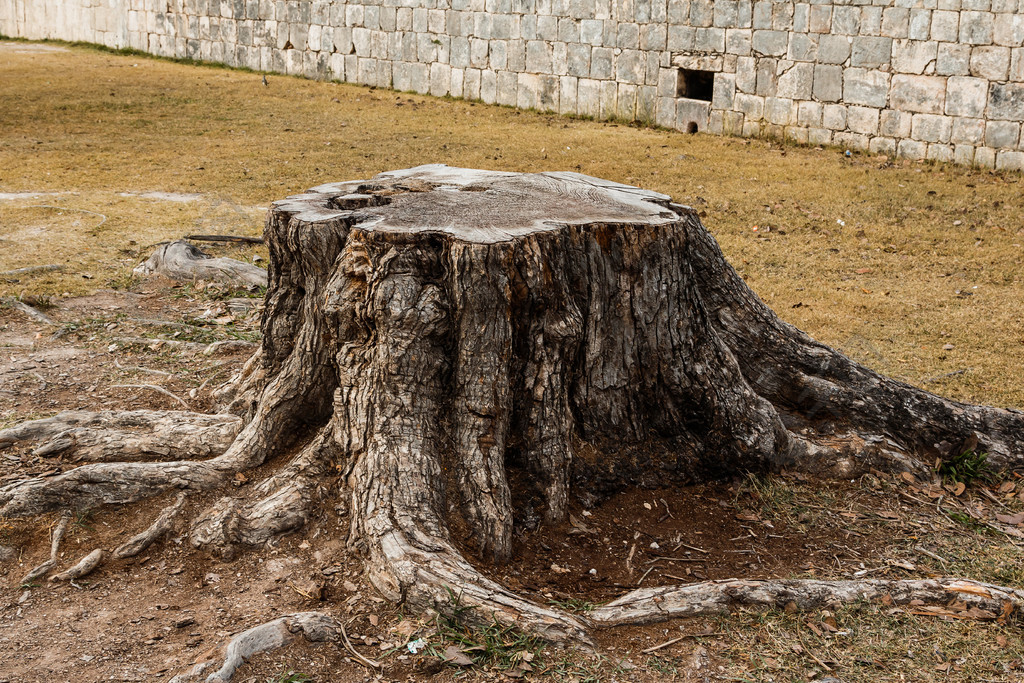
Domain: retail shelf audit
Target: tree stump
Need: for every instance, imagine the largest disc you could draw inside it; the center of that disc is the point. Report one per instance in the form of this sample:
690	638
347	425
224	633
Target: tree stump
449	336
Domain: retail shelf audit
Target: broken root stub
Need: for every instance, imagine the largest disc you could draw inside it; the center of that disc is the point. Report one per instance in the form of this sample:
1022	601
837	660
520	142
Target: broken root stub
439	332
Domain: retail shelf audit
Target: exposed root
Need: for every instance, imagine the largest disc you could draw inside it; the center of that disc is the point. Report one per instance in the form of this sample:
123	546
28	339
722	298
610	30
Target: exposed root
136	544
220	664
33	313
58	536
127	436
649	605
180	260
83	567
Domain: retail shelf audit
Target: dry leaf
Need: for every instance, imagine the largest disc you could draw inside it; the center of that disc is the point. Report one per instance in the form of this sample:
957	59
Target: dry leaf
1011	519
455	655
374	619
960	488
1006	487
908	477
404	628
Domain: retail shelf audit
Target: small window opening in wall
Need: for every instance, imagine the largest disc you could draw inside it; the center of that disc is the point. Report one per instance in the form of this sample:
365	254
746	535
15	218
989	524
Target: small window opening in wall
695	85
691	127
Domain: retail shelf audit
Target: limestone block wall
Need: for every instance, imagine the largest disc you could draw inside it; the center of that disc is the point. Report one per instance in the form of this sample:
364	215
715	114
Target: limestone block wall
922	79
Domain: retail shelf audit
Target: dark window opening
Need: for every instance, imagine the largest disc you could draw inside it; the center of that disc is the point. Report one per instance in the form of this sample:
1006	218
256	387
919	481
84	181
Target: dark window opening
691	127
695	85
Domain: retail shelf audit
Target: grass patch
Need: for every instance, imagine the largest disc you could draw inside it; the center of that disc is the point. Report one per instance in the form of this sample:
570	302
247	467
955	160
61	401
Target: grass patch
966	468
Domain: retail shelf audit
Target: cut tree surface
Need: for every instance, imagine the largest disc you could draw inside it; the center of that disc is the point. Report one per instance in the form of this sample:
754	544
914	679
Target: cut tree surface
470	350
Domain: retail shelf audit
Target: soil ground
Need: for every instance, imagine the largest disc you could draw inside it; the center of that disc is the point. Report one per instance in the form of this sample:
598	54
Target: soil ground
913	269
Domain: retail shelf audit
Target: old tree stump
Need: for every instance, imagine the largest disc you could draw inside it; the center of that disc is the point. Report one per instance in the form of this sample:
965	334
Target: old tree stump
444	337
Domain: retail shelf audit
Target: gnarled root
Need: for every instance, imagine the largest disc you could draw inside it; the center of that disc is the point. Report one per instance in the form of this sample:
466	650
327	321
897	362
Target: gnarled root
127	436
83	567
220	664
650	605
58	536
164	523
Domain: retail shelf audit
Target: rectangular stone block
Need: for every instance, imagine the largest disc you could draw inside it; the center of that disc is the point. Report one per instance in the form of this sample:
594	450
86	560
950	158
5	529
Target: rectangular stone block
968	132
738	41
646	103
771	43
750	106
803	47
507	88
912	149
796	82
819	136
692	115
630	67
780	111
862	120
601	63
870	51
976	28
931	128
820	19
920	24
833	49
609	93
966	96
724	91
1009	30
1002	134
579	60
923	94
1010	161
871	21
990	62
963	155
828	83
681	37
881	145
939	152
945	26
866	87
666	114
588	97
913	56
746	74
953	59
809	114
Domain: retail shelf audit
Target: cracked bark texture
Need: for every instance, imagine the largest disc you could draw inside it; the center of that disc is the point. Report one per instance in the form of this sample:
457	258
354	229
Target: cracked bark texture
471	349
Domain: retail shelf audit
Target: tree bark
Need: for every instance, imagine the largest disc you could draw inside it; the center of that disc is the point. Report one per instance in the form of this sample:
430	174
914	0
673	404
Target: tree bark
470	349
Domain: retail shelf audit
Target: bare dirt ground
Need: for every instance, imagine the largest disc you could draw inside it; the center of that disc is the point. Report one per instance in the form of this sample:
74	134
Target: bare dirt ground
913	269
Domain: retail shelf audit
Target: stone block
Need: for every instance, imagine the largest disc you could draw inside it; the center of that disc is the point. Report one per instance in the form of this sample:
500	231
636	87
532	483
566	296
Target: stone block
497	57
871	20
967	131
1010	161
780	111
609	93
940	153
803	47
896	22
782	16
845	20
913	56
809	114
601	63
766	77
770	43
1002	134
665	117
796	82
560	58
726	13
820	19
801	17
847	140
984	157
978	5
588	97
963	155
440	79
912	149
628	36
945	26
653	37
828	83
862	120
538	56
738	41
702	13
578	60
750	106
976	28
953	60
866	87
710	40
507	88
762	15
724	91
882	145
833	49
625	102
1017	65
630	67
1009	30
871	51
990	62
922	94
746	74
966	96
646	103
931	128
819	136
681	37
591	31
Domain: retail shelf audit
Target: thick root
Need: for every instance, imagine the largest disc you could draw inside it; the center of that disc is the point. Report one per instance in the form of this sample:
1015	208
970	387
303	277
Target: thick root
649	605
126	436
164	523
219	665
84	566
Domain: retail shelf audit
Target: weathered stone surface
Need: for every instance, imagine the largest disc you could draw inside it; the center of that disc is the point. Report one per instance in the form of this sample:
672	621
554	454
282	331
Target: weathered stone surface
1006	101
925	94
966	96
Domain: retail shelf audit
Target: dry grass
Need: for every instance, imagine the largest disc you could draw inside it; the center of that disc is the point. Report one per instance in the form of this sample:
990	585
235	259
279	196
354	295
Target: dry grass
92	125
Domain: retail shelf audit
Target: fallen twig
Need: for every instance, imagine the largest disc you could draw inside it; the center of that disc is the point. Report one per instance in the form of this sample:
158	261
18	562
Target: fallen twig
348	646
152	387
662	645
83	567
30	269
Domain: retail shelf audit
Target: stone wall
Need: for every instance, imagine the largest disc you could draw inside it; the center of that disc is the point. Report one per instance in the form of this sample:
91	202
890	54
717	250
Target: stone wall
935	79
